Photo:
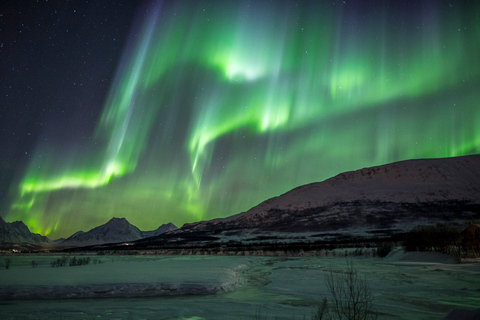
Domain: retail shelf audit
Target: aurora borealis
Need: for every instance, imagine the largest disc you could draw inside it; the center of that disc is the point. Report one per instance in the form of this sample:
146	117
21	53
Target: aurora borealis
206	108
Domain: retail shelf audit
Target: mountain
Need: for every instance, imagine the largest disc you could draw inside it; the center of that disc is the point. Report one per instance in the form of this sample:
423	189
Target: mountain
115	230
371	202
17	232
160	230
447	187
366	204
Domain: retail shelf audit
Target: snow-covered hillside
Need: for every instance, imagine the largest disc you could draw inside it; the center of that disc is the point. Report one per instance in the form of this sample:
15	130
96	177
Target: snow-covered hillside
412	181
392	196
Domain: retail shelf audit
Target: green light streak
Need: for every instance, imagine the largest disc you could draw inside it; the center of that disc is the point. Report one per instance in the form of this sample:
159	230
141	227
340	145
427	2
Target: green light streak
73	180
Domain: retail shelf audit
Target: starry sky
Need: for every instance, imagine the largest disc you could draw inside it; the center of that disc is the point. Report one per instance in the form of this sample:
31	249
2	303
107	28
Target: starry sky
180	111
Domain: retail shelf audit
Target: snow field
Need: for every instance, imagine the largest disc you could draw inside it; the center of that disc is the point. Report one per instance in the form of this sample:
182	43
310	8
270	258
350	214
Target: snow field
405	286
121	276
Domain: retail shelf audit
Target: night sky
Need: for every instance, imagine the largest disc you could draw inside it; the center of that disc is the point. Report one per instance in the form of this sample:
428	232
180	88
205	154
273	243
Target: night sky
180	111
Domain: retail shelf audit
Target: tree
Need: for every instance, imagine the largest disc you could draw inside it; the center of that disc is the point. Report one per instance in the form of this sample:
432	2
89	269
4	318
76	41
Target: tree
351	298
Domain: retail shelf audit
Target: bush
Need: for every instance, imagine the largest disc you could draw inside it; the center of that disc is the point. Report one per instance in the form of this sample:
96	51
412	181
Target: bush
8	261
79	261
73	262
321	312
351	298
60	262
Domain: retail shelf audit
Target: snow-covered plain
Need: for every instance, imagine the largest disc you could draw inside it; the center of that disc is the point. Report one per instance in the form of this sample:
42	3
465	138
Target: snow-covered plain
405	286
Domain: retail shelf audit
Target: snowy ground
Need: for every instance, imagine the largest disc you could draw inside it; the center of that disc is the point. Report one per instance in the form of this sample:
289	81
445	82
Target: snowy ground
405	286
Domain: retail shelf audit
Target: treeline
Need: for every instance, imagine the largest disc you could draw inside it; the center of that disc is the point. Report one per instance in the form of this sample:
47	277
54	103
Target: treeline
444	238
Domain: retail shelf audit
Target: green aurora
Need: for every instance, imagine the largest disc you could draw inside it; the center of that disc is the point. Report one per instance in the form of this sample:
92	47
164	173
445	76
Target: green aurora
217	106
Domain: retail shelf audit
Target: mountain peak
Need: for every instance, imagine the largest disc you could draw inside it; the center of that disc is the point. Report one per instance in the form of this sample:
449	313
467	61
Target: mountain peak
115	230
160	230
118	221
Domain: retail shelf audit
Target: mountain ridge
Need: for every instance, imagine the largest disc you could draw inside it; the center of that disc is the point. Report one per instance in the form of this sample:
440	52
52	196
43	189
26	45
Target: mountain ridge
385	198
377	201
115	230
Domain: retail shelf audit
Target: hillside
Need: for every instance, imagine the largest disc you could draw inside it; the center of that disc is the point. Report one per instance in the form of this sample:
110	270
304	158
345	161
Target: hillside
364	204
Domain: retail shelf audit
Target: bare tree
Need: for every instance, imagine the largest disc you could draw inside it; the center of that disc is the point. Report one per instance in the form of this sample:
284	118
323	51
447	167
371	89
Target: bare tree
351	298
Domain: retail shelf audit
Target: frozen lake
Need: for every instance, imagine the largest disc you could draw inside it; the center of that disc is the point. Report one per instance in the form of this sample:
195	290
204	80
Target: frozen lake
405	286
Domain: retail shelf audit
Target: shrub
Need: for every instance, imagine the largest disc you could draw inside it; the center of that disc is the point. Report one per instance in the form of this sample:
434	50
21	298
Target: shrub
321	312
60	262
351	298
79	262
8	261
73	262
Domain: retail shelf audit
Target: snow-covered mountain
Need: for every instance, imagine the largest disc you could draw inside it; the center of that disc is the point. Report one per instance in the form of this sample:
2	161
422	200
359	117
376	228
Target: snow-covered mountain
370	202
394	196
115	230
17	232
160	230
